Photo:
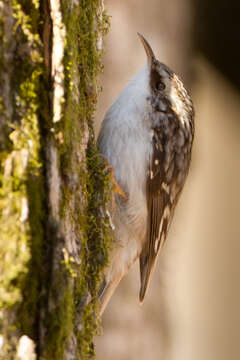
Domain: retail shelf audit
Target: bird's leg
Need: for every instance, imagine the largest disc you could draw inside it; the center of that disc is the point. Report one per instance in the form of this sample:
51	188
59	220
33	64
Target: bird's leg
116	187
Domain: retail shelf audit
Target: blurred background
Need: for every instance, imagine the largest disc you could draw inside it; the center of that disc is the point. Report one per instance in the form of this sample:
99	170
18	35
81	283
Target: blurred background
192	309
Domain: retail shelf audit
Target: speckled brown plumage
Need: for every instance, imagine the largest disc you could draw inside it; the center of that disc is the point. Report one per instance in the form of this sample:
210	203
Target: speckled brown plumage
172	143
147	138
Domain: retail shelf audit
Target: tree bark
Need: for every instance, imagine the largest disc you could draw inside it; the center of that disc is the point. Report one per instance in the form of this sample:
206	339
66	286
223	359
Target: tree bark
54	191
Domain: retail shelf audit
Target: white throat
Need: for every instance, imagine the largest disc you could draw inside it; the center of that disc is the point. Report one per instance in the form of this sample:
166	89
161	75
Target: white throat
132	101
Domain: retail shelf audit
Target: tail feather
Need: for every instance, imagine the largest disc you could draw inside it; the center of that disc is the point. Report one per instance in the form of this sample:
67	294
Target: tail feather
105	293
146	268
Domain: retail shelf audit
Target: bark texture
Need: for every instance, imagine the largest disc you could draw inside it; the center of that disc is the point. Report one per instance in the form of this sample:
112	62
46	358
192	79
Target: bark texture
53	188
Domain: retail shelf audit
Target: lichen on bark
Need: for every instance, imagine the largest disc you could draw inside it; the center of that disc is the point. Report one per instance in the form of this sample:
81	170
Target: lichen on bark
83	180
21	167
54	190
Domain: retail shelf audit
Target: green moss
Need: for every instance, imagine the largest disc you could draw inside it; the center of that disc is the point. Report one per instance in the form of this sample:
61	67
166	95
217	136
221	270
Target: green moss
98	243
21	191
88	186
61	323
23	252
5	144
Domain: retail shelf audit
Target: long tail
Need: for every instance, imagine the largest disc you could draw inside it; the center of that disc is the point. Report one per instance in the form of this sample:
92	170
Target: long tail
105	293
145	274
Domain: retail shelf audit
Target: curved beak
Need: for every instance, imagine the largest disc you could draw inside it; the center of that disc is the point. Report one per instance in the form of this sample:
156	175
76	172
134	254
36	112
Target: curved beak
148	49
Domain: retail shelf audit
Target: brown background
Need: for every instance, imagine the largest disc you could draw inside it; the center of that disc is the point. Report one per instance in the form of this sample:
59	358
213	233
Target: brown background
192	309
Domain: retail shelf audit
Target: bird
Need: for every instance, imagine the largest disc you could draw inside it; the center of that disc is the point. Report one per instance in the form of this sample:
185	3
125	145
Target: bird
146	137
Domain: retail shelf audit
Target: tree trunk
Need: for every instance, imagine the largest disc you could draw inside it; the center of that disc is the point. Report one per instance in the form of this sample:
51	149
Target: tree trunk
53	188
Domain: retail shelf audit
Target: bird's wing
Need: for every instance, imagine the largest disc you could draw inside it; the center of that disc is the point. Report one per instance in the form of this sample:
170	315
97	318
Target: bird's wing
168	167
159	210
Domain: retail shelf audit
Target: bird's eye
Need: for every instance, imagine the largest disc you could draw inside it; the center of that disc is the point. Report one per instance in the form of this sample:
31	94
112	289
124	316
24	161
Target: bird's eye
160	85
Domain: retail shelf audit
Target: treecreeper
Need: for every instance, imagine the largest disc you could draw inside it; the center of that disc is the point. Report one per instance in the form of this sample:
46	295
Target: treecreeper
146	136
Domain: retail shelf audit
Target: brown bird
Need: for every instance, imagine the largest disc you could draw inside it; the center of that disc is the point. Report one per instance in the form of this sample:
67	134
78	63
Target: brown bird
147	137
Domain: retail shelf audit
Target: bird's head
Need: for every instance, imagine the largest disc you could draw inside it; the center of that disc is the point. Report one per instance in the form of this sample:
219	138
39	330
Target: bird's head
165	84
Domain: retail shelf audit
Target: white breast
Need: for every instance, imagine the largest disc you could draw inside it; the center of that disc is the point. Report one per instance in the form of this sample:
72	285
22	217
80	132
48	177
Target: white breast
125	139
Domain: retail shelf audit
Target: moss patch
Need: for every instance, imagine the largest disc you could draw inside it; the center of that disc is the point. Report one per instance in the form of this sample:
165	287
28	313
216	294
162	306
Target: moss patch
21	171
84	183
85	187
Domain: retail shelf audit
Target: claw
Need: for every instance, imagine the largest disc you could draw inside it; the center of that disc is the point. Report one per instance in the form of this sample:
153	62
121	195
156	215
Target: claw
116	187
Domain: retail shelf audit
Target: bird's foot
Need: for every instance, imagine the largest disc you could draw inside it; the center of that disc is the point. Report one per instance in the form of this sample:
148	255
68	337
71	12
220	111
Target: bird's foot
116	187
